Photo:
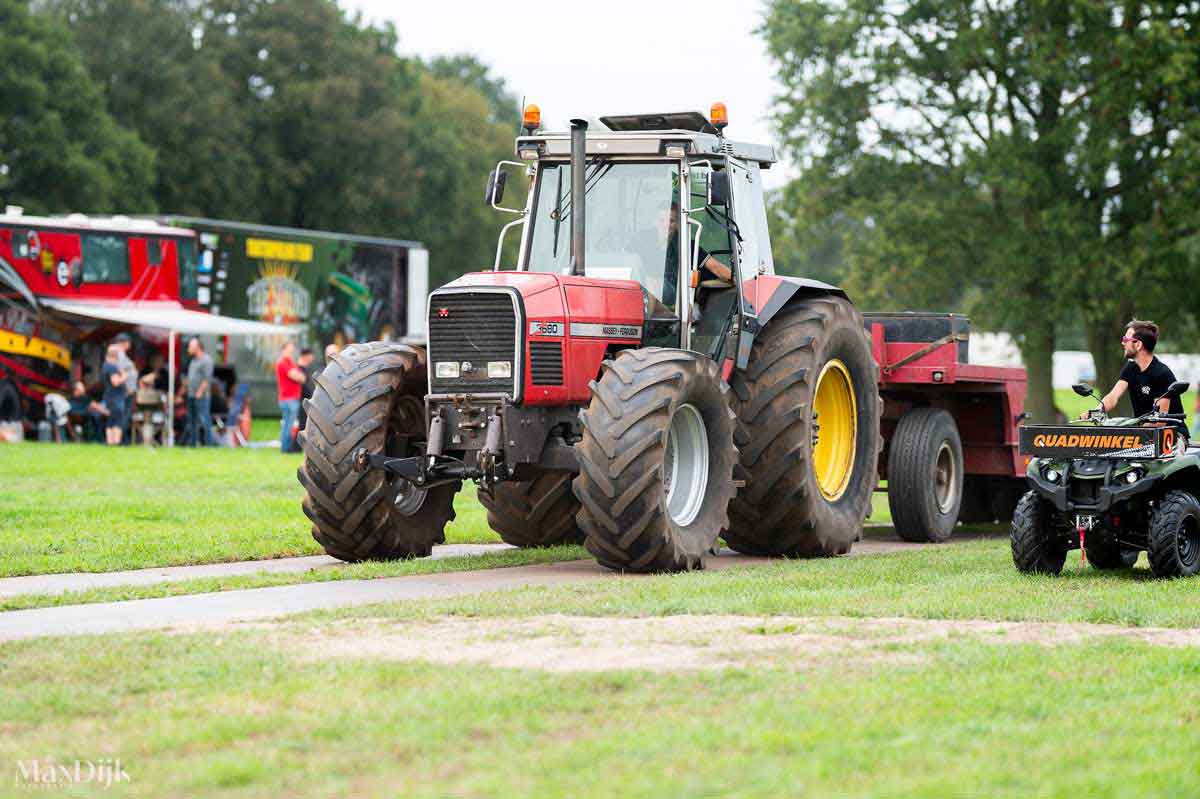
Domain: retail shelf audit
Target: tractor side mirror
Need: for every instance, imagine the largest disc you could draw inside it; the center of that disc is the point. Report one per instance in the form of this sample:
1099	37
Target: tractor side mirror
495	186
718	188
1175	389
1082	389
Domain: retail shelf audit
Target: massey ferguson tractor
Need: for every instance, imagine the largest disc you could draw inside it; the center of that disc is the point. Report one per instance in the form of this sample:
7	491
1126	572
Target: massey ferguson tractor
641	381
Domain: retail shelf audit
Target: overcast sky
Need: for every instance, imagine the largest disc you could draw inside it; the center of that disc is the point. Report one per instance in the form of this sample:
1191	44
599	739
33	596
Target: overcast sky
619	56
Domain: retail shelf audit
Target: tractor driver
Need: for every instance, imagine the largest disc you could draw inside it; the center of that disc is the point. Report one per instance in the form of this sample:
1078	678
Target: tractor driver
1144	376
710	267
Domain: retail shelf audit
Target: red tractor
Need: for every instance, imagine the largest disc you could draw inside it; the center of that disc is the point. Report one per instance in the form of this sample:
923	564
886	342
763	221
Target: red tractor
641	381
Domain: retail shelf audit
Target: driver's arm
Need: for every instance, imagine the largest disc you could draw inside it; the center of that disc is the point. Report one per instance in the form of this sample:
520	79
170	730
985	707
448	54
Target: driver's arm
1113	397
1164	405
719	270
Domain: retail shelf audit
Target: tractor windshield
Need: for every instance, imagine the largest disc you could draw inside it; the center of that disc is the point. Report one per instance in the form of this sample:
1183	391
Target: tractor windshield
632	223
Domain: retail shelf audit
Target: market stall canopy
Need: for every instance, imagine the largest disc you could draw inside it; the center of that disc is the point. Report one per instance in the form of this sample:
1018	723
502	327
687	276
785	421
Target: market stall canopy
168	316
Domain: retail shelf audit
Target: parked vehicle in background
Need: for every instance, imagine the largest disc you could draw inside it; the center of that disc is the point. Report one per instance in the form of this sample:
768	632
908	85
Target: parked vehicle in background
336	288
49	260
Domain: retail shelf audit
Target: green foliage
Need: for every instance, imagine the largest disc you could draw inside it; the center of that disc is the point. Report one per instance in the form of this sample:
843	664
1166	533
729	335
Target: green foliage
1032	163
59	148
298	114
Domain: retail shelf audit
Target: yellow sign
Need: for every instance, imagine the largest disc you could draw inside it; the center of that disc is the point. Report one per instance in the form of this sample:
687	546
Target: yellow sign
34	347
269	249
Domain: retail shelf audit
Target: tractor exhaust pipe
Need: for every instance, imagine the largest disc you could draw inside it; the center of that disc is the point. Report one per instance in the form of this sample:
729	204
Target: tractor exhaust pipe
578	190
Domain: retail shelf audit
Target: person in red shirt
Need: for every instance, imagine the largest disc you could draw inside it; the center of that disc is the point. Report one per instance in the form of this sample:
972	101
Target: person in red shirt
290	379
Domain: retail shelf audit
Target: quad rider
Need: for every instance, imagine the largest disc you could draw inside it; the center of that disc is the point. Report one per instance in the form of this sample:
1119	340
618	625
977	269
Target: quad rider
1145	377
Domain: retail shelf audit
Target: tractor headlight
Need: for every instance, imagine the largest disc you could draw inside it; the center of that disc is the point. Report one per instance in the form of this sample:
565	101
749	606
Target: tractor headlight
499	369
446	369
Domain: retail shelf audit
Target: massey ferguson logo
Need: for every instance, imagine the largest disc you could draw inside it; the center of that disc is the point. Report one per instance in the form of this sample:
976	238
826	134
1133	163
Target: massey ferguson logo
443	313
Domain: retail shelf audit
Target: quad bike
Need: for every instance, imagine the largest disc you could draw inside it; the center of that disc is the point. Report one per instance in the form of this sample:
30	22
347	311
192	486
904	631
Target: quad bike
1111	487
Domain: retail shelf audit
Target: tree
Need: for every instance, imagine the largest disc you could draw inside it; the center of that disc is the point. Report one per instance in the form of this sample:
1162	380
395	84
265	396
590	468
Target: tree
983	146
504	108
60	150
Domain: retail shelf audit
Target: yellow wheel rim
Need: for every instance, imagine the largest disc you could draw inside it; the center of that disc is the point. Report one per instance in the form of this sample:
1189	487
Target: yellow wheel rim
835	429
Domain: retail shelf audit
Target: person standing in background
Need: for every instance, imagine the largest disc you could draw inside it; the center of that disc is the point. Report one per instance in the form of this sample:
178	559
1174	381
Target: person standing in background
199	394
305	362
290	380
124	343
112	377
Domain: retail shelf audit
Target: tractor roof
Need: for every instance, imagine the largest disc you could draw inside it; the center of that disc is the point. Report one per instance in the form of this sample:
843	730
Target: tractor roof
649	134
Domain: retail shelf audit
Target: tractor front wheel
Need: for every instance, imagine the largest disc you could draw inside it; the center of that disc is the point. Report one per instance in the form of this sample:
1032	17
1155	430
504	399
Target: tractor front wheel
808	411
656	461
369	397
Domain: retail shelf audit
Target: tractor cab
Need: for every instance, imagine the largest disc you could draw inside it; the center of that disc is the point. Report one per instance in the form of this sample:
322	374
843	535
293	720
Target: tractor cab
671	205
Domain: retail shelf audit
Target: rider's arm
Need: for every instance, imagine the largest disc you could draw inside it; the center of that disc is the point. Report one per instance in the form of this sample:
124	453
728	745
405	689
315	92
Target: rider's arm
719	270
1163	405
1113	397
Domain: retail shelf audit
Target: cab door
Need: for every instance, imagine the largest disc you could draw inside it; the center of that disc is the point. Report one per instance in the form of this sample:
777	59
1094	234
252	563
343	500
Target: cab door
749	212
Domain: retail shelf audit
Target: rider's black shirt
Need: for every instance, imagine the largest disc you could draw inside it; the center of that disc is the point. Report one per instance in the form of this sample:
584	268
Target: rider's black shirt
1147	386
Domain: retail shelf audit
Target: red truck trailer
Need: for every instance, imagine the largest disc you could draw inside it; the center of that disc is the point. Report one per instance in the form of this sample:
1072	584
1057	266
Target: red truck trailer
949	426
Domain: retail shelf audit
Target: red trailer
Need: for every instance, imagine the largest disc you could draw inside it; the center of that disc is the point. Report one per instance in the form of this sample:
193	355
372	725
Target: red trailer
949	426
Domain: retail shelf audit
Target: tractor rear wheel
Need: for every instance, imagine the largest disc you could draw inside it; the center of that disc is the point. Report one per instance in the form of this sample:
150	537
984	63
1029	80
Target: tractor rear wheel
369	396
534	513
808	411
1174	547
656	461
1037	547
925	475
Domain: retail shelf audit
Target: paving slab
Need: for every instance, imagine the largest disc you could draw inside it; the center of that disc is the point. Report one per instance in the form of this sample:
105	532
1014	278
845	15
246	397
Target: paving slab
83	581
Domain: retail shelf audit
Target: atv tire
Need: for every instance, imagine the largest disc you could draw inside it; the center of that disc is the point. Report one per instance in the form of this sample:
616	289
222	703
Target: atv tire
1103	553
1036	547
534	513
783	509
925	475
1174	536
656	461
369	396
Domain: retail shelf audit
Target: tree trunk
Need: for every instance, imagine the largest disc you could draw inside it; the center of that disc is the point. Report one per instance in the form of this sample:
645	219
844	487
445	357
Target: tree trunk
1104	342
1037	350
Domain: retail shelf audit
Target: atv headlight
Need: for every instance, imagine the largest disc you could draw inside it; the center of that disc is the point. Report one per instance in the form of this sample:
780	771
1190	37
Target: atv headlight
446	369
1052	475
1132	476
499	369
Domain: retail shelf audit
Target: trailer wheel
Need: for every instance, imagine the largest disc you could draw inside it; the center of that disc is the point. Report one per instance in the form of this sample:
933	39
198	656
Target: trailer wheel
10	402
808	412
367	397
1174	548
925	475
1037	547
656	461
534	513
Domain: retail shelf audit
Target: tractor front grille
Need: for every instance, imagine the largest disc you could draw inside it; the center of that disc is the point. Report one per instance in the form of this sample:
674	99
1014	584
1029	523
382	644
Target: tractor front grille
473	329
545	363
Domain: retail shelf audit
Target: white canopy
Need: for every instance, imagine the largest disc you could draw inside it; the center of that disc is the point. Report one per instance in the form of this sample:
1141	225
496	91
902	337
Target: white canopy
175	319
168	316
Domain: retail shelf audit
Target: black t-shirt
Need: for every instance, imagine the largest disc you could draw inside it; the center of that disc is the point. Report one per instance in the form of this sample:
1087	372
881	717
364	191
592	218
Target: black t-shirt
671	278
1147	386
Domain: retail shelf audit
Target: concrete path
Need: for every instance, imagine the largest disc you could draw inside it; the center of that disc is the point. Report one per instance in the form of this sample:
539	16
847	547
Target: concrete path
261	603
82	581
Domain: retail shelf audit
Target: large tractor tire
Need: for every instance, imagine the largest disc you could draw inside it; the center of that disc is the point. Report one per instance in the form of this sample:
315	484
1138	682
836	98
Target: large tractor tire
656	461
369	396
10	402
534	513
925	475
808	411
1174	547
1037	546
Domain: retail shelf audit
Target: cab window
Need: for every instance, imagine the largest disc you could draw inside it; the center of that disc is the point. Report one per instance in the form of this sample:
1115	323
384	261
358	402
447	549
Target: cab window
186	253
105	258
